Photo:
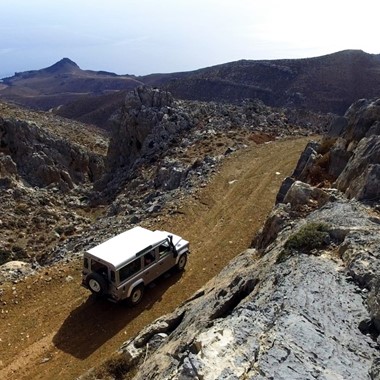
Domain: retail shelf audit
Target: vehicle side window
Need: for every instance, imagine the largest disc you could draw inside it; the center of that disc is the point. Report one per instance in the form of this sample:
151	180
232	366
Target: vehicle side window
149	258
130	269
85	262
163	248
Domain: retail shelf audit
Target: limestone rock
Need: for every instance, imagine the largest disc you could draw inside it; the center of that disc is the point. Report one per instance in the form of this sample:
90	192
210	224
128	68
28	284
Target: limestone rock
259	320
337	126
338	158
145	125
374	302
306	161
170	177
301	194
348	157
360	178
361	117
275	223
42	159
14	269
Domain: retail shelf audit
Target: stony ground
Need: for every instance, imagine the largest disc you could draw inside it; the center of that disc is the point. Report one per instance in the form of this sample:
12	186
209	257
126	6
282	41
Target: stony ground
50	326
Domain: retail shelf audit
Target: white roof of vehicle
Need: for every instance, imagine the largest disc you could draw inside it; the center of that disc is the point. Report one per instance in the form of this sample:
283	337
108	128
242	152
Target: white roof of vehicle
122	248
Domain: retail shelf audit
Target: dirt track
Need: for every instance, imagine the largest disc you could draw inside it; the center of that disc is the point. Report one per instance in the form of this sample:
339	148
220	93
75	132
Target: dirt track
52	329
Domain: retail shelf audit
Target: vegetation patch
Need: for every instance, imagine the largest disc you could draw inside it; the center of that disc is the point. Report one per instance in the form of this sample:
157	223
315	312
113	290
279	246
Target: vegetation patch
312	236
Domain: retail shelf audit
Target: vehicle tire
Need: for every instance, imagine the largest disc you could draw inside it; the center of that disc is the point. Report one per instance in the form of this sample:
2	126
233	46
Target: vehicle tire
136	295
96	283
181	262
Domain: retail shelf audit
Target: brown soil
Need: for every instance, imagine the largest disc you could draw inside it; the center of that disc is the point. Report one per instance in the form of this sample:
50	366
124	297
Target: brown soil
51	328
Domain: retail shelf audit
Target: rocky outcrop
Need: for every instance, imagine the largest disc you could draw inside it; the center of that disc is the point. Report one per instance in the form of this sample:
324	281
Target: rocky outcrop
47	165
153	129
348	158
146	125
268	316
302	303
360	178
42	159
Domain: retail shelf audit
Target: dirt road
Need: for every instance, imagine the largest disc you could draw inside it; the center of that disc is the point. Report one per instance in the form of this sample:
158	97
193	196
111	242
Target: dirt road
51	328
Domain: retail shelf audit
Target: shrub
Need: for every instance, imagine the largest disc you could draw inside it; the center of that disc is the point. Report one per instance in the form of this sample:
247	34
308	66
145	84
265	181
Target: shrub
5	256
314	235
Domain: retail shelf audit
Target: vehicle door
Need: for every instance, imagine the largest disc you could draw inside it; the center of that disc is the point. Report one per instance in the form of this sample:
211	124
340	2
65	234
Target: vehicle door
149	270
165	257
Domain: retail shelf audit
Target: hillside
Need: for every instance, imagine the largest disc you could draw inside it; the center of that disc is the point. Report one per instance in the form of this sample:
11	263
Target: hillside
209	172
328	83
185	182
325	84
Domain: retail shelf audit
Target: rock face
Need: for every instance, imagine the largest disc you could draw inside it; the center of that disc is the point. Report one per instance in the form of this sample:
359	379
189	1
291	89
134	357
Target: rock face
146	124
41	159
291	307
47	165
270	316
349	156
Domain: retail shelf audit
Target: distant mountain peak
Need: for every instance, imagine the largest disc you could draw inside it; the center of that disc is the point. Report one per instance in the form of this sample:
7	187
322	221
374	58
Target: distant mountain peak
65	64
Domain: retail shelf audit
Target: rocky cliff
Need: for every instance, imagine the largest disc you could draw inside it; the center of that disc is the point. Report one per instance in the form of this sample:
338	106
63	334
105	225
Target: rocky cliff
41	159
303	301
47	165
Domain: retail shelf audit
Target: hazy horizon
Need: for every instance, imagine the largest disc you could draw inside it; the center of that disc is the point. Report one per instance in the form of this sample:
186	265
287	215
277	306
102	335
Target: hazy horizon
146	36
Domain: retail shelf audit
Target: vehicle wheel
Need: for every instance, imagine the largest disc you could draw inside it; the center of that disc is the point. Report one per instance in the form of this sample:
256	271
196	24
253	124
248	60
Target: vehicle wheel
136	295
96	283
181	262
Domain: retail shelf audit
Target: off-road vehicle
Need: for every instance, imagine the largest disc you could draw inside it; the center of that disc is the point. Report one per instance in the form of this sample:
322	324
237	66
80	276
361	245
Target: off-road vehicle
121	267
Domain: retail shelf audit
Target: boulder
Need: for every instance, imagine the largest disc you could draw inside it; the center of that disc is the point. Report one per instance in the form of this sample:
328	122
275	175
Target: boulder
275	223
171	176
374	303
302	195
338	158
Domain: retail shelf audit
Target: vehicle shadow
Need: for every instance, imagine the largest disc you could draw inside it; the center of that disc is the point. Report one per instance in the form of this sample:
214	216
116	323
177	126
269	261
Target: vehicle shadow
97	320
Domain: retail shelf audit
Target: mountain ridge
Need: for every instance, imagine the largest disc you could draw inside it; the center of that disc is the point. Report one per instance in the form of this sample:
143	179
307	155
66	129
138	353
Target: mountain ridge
327	84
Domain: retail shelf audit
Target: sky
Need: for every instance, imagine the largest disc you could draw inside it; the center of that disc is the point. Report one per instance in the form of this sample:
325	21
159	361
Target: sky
159	36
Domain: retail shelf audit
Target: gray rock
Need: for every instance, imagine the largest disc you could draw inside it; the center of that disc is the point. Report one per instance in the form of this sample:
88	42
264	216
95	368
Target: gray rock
284	188
171	177
361	177
261	320
339	157
145	126
302	195
275	223
375	370
306	161
361	116
337	126
374	301
42	159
